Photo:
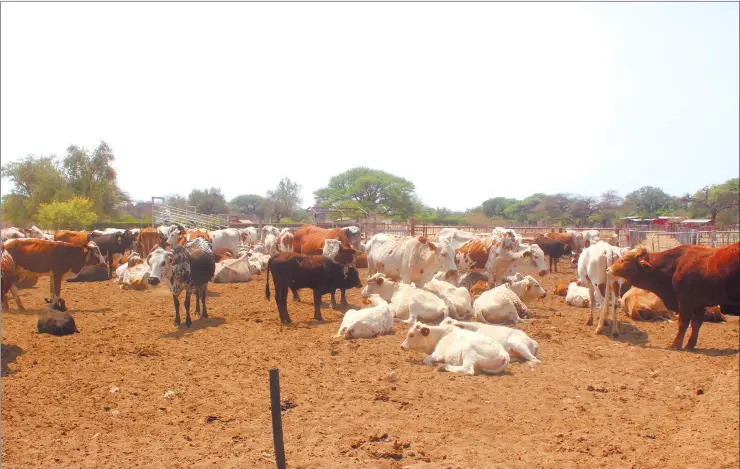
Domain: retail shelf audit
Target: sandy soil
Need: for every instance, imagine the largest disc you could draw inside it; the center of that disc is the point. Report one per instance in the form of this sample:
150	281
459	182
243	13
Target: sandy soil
594	401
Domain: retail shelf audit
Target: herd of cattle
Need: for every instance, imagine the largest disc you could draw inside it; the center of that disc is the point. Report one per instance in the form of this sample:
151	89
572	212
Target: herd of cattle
455	292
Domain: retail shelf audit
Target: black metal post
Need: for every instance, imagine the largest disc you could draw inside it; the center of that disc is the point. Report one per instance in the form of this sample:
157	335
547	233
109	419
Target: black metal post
277	418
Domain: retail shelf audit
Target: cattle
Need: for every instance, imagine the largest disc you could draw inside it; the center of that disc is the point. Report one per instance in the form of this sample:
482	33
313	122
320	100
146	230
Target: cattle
233	270
577	296
593	266
12	233
7	277
456	350
367	322
505	303
613	240
56	323
310	239
644	305
78	238
268	230
90	273
135	274
270	242
590	237
410	259
285	240
37	257
478	289
183	269
468	279
569	239
147	241
552	248
397	293
457	299
561	288
687	279
714	314
186	236
516	343
35	232
361	261
354	235
456	238
294	271
227	240
250	235
112	243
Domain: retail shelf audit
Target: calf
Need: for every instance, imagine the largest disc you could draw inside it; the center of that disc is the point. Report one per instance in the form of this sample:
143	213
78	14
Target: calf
553	249
577	296
593	272
643	305
456	350
517	343
457	299
37	257
368	322
505	302
183	270
294	271
687	279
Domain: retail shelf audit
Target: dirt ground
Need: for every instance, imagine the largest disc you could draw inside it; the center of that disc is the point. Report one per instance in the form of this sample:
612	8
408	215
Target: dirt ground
97	399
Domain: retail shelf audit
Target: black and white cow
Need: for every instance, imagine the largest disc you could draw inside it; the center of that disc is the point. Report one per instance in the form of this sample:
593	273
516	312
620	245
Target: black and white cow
112	243
184	269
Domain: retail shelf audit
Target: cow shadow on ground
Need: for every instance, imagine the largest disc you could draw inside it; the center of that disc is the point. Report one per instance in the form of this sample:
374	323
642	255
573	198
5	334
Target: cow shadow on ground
709	352
435	369
627	333
27	311
8	354
198	324
97	310
212	294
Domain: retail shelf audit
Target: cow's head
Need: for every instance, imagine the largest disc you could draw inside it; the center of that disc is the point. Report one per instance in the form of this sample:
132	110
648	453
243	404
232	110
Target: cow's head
535	258
339	254
532	288
420	337
93	256
351	277
158	260
381	285
632	264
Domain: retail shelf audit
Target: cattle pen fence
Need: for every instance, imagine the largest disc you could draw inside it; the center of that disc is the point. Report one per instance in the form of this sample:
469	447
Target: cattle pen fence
656	241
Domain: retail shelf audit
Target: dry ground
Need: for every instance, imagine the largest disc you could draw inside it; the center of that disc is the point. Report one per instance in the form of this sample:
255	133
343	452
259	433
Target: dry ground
594	401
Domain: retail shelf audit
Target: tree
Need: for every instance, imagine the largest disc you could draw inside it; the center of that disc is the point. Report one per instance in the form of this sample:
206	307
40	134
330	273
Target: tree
74	214
520	211
177	201
715	199
496	206
284	200
554	208
208	201
583	208
371	190
607	207
248	203
36	180
649	200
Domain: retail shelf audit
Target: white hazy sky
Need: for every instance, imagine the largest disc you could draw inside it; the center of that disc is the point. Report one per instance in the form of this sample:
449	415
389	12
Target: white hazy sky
468	101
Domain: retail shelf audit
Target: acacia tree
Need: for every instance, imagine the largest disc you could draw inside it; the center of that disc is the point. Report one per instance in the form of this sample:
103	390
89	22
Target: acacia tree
715	199
649	200
284	199
208	201
248	203
372	190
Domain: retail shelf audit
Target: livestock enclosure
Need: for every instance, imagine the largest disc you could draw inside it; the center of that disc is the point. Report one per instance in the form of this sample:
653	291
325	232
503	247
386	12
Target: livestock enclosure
132	391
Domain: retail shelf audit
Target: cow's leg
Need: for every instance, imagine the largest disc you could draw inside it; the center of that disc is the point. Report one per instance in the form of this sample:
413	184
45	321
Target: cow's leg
196	290
16	297
204	292
603	306
188	322
110	264
333	300
615	313
557	259
281	298
344	298
683	323
295	294
56	300
696	321
317	305
177	309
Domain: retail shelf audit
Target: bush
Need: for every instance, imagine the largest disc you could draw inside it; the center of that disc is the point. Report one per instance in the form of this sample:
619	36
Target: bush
72	214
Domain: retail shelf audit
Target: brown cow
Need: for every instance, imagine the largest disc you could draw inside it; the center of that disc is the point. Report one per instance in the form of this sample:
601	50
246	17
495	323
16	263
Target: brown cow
40	257
148	241
7	277
687	279
566	238
309	240
561	288
78	238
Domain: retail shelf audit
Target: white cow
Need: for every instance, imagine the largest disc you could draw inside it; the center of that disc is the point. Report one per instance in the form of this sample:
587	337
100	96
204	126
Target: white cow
136	275
232	271
268	230
592	272
226	240
505	303
354	235
517	343
35	232
270	242
456	350
368	322
455	237
249	235
12	233
577	296
411	258
457	299
285	240
590	237
406	301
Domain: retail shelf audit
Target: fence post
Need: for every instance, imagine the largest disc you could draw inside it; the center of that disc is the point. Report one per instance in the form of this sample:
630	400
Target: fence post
655	235
412	226
277	418
714	239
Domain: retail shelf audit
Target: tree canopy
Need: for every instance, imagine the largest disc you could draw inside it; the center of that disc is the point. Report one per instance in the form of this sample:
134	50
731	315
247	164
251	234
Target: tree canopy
284	200
208	201
248	203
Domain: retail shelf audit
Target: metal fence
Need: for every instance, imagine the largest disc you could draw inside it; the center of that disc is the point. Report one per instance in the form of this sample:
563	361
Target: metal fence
657	241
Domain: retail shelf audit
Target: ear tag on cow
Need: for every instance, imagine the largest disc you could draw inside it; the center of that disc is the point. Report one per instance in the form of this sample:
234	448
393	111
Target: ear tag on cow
120	238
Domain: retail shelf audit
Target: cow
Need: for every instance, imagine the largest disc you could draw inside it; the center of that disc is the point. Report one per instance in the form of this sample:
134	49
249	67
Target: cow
687	279
714	314
186	236
78	238
516	343
294	271
309	239
553	248
396	293
147	241
410	259
457	350
250	236
112	243
12	233
285	240
644	305
38	257
268	230
233	270
7	277
35	232
354	235
227	240
367	322
561	288
590	237
593	265
568	238
183	269
270	242
577	296
457	299
505	303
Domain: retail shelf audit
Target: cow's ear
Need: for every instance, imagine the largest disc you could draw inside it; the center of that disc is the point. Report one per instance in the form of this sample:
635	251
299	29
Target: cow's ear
423	239
527	287
645	264
432	246
424	331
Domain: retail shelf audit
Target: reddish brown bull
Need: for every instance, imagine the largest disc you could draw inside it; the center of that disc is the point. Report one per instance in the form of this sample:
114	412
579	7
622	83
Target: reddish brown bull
309	239
687	279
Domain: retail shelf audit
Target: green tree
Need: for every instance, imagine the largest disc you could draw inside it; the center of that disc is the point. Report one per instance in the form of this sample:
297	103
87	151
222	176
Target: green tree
497	206
583	208
208	201
177	201
248	203
521	211
36	180
371	190
283	200
74	214
713	200
649	200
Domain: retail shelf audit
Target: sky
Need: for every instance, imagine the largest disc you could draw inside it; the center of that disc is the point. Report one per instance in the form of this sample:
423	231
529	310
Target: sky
469	101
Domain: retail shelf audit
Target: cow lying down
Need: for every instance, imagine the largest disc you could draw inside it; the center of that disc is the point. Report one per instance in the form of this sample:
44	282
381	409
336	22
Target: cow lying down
368	322
505	303
516	343
457	350
407	303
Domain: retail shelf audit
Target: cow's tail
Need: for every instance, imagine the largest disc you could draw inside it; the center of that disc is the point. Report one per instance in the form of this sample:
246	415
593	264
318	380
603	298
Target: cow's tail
267	280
